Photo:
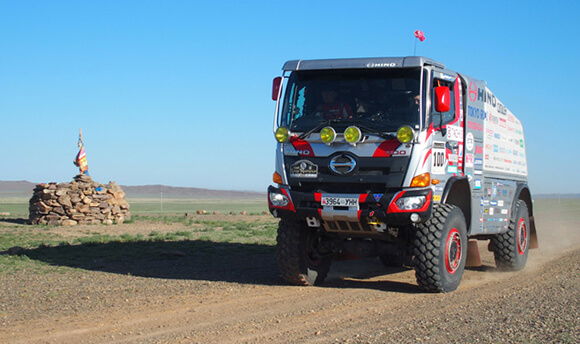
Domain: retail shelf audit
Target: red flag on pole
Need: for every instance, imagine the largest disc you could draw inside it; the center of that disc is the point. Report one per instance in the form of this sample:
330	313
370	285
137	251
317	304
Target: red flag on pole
419	34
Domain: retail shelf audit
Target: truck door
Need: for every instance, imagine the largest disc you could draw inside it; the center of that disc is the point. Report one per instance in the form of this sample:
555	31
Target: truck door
447	129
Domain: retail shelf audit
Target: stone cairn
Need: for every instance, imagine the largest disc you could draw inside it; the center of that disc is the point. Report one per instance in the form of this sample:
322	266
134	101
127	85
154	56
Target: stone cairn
81	201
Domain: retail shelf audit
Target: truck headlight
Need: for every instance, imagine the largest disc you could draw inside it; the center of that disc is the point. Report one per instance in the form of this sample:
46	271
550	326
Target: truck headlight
411	203
278	200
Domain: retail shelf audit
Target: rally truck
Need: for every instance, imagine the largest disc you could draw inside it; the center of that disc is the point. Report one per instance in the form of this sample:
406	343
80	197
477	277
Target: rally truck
398	158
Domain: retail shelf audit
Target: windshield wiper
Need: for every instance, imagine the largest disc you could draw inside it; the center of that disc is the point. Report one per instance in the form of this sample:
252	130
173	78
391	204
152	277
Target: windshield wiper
381	134
369	130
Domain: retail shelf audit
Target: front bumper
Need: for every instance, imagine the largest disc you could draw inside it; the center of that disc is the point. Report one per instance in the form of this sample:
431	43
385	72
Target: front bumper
391	208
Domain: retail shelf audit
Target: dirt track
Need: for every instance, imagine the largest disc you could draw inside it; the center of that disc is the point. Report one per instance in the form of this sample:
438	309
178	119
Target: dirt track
185	299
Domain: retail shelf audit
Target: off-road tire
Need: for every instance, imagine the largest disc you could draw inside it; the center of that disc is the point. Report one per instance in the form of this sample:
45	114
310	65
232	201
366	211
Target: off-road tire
298	260
440	249
511	249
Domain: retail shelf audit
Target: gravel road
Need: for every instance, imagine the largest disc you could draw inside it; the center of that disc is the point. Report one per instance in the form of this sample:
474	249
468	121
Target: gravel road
240	298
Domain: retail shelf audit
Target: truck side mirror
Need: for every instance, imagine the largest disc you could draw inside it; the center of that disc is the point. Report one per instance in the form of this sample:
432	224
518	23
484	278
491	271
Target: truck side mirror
442	99
276	87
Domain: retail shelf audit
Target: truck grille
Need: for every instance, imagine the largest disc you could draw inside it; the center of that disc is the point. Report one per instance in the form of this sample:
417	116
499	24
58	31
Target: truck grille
354	188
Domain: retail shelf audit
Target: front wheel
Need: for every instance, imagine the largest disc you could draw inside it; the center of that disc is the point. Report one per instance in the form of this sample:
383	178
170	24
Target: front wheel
298	255
511	249
441	249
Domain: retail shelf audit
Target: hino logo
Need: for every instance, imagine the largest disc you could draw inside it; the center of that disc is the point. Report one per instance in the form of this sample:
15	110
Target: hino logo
294	151
379	65
342	164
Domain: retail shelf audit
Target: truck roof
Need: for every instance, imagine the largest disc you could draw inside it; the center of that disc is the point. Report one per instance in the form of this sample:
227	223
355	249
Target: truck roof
361	63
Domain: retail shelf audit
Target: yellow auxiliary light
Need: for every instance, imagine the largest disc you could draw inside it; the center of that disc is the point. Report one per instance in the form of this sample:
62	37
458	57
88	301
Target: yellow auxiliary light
405	134
352	134
327	135
282	134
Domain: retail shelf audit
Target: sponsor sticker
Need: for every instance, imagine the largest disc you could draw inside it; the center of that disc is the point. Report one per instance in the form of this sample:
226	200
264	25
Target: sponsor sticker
454	133
472	91
468	160
303	169
474	126
469	142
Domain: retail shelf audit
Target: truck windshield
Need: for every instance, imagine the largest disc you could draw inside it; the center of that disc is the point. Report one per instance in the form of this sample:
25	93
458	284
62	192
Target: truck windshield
382	100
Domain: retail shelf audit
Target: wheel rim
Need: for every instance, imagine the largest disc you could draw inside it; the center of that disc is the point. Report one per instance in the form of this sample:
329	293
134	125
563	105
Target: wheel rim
453	251
522	236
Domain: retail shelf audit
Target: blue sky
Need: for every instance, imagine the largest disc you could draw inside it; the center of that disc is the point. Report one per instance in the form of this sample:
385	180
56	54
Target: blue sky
178	92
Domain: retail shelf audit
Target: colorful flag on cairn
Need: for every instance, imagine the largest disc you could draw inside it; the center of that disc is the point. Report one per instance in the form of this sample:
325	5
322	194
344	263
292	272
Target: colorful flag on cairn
81	159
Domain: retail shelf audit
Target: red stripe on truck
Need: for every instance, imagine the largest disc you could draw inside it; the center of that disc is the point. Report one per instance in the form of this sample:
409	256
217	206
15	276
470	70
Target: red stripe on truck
386	149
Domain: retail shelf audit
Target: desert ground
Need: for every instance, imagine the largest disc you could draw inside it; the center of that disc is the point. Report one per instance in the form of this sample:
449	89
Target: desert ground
199	292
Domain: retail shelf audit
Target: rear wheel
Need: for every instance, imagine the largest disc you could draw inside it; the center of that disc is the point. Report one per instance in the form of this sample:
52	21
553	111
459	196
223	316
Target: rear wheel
441	249
299	258
511	249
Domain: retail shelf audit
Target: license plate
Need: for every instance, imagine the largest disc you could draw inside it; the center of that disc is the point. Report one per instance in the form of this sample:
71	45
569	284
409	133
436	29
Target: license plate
340	202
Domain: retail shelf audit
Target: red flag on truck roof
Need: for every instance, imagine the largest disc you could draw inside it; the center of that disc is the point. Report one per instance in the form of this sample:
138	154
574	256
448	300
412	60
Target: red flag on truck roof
419	34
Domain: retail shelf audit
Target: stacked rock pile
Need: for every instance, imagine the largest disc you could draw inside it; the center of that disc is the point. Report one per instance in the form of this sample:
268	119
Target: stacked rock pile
81	201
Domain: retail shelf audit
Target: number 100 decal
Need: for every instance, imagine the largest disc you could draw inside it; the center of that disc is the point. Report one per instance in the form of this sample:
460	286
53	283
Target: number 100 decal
438	158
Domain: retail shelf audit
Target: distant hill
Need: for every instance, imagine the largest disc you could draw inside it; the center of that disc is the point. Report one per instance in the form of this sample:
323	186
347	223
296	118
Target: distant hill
156	191
16	189
24	189
556	196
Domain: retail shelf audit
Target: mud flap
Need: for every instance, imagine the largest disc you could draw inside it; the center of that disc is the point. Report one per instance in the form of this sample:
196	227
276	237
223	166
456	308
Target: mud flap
533	234
473	257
